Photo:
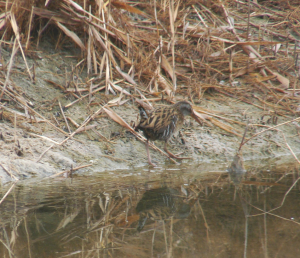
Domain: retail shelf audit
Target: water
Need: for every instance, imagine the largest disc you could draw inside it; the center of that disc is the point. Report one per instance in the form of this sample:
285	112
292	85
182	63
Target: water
184	212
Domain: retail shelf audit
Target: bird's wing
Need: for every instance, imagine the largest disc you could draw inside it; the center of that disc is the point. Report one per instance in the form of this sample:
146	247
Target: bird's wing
159	120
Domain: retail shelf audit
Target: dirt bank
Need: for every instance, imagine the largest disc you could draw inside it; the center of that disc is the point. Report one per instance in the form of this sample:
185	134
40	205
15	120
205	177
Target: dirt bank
29	146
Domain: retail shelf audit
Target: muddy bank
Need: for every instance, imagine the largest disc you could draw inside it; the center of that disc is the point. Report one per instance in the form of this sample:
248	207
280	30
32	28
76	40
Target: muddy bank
29	146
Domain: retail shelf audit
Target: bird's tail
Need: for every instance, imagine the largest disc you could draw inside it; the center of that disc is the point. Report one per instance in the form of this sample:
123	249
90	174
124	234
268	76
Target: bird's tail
143	113
143	117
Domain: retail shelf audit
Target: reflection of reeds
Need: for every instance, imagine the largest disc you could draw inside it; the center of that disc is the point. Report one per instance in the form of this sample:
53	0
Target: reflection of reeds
90	218
7	246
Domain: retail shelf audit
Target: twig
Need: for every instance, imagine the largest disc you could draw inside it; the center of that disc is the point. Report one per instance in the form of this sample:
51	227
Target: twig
82	125
8	191
14	51
248	21
77	100
289	147
29	29
23	102
288	36
200	17
10	174
44	152
270	128
268	212
86	128
242	141
27	235
44	137
67	171
285	195
63	114
102	136
20	114
16	31
11	254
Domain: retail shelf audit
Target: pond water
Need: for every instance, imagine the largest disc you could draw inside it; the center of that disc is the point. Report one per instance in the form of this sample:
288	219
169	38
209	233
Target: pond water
163	212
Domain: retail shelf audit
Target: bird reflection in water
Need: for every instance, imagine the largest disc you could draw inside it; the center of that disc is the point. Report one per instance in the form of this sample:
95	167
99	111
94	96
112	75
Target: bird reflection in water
236	169
161	204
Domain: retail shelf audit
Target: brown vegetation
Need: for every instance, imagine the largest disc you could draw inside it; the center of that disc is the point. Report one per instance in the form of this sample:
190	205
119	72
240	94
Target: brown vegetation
172	47
147	51
153	50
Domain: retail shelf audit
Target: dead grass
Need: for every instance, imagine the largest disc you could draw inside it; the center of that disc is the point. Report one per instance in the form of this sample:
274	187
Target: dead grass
172	47
148	50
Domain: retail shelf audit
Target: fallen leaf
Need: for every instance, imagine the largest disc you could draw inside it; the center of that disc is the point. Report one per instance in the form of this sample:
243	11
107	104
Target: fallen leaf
118	119
129	8
72	35
166	66
126	76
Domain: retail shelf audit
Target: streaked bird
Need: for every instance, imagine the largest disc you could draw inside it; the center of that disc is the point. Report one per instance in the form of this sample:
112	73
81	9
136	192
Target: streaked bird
162	122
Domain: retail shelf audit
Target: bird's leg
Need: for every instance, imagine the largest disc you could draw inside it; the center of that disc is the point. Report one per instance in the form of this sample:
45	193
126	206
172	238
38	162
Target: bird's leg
171	154
148	154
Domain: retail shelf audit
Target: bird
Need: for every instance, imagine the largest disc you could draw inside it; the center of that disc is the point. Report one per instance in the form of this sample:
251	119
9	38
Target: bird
163	122
161	204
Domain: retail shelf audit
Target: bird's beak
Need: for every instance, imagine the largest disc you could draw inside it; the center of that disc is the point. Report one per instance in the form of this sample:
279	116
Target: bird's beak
196	118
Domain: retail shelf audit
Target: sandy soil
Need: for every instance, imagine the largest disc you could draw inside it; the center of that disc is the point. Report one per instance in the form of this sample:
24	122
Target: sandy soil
23	151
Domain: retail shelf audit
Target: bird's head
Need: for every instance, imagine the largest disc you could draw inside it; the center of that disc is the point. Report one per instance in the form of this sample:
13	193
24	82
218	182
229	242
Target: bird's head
187	110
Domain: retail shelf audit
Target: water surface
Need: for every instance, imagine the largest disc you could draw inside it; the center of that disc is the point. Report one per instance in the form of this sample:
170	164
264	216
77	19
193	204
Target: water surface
166	212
